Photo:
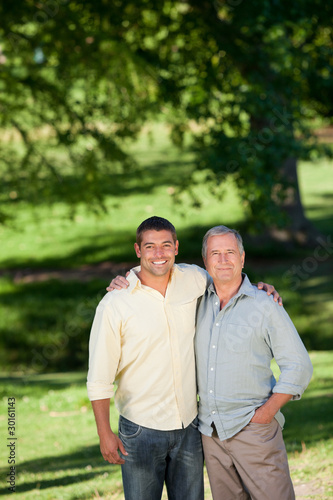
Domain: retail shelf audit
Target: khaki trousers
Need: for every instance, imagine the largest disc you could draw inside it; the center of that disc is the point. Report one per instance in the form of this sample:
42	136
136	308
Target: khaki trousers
252	464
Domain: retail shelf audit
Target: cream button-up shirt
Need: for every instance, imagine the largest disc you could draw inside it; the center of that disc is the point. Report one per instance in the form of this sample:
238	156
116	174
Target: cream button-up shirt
143	343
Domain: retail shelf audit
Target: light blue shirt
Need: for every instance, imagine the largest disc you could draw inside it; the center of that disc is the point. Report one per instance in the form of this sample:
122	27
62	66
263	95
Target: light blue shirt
234	349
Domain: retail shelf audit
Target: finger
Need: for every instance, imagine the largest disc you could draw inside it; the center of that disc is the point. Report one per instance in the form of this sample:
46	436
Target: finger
260	285
276	296
122	449
114	286
280	301
119	460
113	458
121	280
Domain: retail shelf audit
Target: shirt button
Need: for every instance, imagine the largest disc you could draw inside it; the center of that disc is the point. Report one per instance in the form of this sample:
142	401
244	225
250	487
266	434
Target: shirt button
217	324
213	412
216	303
212	369
214	346
211	392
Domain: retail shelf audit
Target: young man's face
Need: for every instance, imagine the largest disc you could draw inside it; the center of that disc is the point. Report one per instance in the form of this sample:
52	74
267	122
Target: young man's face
223	261
157	252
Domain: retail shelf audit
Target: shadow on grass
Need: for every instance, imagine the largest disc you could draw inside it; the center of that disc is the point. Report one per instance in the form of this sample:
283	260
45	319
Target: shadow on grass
38	385
44	326
308	420
117	246
88	460
50	329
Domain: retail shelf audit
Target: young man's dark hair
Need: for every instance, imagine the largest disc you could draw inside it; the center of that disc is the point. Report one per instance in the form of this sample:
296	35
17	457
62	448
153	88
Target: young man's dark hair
155	224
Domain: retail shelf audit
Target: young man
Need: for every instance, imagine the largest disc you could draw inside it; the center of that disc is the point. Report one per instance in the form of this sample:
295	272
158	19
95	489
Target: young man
239	330
142	339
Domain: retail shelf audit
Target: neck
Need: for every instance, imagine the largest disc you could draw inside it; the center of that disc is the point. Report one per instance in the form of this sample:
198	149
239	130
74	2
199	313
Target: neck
158	283
226	291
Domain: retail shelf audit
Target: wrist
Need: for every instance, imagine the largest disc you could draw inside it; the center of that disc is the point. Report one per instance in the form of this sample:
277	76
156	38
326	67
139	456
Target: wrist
104	432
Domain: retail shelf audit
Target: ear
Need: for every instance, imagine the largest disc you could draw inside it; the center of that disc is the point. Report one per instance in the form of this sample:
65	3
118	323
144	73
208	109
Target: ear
176	247
137	250
243	259
205	262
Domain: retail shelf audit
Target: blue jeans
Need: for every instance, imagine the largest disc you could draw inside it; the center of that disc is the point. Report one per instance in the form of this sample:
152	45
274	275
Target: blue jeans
156	456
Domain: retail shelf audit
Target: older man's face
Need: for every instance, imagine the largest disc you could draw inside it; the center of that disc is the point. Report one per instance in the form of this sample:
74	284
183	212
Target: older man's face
223	260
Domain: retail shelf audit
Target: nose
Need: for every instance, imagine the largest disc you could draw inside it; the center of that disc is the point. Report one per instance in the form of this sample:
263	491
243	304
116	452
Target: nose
158	252
224	257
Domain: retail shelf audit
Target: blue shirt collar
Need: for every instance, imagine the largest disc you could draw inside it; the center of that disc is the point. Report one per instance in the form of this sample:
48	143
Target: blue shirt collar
246	288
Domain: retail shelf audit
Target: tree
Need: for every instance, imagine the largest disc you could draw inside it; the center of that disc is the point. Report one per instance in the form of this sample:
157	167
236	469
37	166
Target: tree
250	76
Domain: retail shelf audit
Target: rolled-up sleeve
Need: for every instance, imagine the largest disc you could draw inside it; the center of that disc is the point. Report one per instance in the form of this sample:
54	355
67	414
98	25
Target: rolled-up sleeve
104	352
289	353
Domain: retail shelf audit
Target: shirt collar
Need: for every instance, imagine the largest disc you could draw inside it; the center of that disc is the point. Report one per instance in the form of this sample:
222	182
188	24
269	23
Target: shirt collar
134	280
246	288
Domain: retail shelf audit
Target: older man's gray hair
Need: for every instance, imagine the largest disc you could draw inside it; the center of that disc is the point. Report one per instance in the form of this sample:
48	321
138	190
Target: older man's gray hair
220	230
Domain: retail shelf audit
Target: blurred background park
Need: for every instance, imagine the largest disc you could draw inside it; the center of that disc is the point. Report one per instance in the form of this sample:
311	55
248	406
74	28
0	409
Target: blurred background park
203	112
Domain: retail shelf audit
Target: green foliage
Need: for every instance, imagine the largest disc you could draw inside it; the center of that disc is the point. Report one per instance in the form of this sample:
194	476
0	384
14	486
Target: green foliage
79	80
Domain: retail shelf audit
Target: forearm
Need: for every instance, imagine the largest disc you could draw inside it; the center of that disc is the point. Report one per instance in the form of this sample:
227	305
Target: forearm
109	442
101	408
265	413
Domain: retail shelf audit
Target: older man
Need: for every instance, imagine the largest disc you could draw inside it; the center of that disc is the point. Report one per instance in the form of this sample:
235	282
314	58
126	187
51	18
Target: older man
239	331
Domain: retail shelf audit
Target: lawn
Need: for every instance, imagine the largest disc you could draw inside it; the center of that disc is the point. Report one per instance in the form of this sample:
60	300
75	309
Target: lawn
49	330
45	321
57	452
41	236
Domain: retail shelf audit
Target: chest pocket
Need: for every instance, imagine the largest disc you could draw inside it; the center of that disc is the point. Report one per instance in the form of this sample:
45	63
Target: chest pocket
238	337
182	317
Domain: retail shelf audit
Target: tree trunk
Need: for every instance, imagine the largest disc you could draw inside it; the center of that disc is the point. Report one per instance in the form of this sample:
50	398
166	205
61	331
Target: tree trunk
299	229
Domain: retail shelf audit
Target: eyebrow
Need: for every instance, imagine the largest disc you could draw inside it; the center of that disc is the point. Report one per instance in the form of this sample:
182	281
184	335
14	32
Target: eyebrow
154	243
227	250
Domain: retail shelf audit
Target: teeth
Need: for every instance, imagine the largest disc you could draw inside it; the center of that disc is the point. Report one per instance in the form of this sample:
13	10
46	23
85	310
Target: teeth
159	262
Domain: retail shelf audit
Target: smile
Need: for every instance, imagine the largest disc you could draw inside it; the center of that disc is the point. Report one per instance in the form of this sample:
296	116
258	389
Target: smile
159	263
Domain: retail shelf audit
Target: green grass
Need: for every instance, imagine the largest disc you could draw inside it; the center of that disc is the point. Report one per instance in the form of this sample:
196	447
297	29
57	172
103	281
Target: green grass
49	329
43	236
57	450
44	326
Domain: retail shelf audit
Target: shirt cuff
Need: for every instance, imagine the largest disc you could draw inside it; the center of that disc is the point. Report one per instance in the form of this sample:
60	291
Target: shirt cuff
295	391
99	390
